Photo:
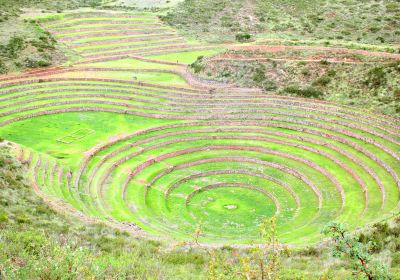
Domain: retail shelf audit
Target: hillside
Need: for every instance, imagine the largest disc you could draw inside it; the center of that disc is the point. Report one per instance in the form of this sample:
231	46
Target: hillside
187	139
364	81
24	44
369	22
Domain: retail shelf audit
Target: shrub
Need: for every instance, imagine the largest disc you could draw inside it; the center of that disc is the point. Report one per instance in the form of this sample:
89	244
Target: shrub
331	73
36	61
44	209
308	92
310	252
376	77
306	72
15	45
3	67
324	62
243	37
3	216
269	85
374	29
382	228
392	7
396	259
259	74
226	73
22	219
31	241
197	66
44	42
179	258
322	81
358	253
380	39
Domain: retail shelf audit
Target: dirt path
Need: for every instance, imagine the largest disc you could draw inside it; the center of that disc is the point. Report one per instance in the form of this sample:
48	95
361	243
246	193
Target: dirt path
265	60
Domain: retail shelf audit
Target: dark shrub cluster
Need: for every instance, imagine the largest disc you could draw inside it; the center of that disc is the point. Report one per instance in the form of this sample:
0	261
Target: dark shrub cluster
308	92
243	37
382	236
197	66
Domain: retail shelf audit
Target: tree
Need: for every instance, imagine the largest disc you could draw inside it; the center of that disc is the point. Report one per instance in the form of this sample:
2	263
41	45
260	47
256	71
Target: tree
347	245
243	37
268	256
260	263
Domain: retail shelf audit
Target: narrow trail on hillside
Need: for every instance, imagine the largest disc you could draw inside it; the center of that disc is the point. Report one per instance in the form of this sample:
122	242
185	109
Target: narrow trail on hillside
283	48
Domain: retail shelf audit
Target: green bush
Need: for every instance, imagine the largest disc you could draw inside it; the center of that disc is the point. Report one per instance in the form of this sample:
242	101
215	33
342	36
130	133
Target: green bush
396	259
14	46
331	73
306	72
269	85
242	37
43	209
22	218
324	62
259	75
376	77
45	41
322	81
36	61
3	67
308	92
197	66
310	251
179	258
3	216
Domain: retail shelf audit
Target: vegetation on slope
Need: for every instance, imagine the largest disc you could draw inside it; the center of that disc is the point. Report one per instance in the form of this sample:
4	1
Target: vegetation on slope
371	86
23	44
212	19
363	21
18	6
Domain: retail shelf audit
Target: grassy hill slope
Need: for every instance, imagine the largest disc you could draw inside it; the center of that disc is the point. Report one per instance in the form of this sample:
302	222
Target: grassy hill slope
363	82
23	44
362	21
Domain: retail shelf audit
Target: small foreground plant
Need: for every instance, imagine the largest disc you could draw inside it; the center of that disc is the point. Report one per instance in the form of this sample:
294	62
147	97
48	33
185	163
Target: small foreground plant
347	245
262	262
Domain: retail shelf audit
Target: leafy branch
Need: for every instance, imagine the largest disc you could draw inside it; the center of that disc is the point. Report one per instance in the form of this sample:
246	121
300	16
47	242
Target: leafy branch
359	253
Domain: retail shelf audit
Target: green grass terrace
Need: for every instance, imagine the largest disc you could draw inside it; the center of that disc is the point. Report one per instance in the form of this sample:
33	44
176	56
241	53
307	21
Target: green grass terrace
128	137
